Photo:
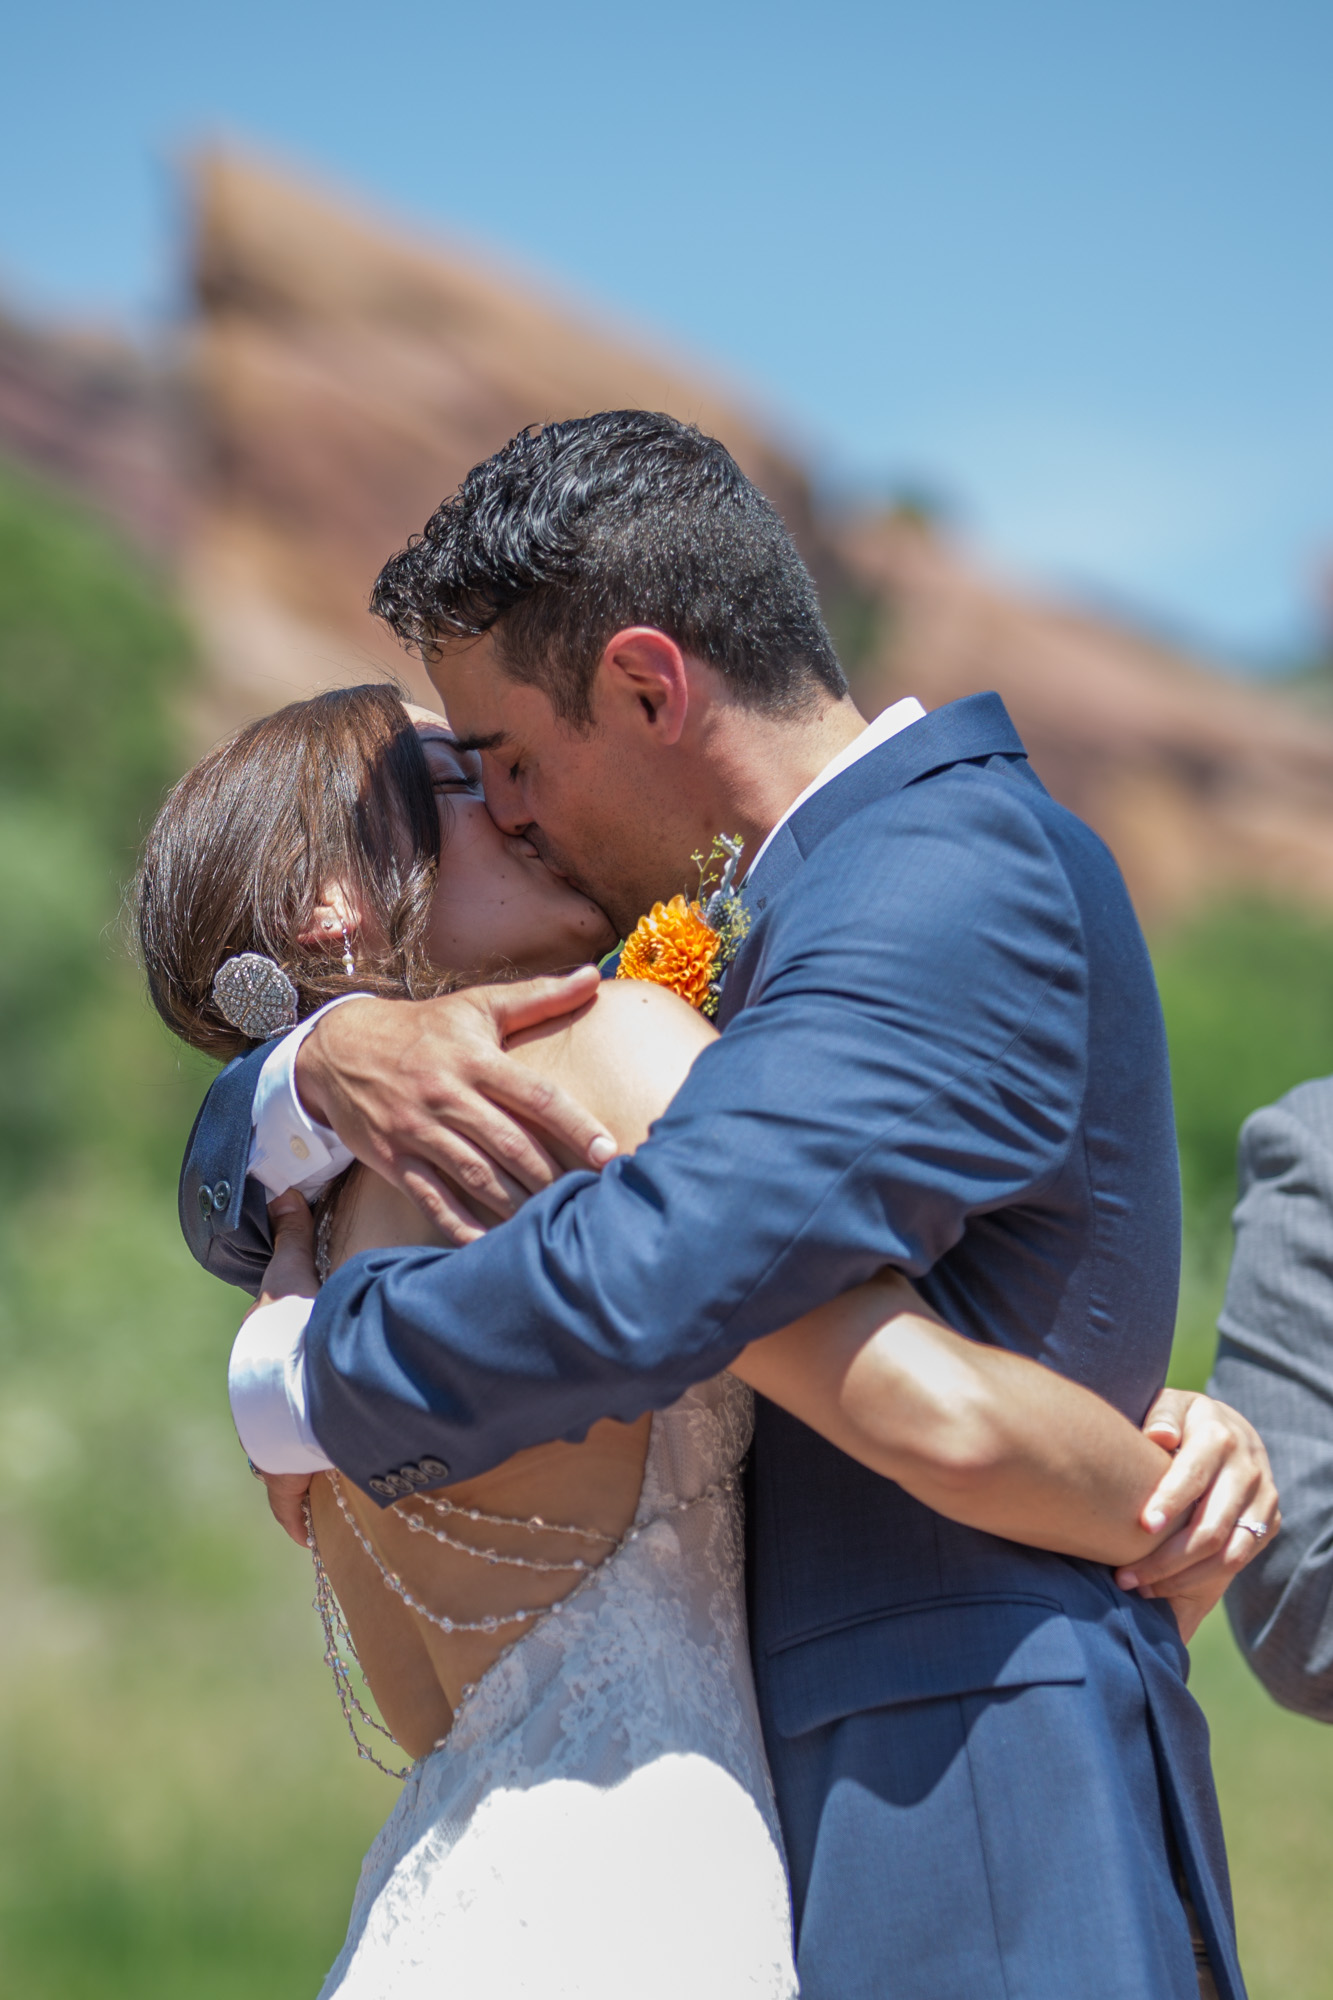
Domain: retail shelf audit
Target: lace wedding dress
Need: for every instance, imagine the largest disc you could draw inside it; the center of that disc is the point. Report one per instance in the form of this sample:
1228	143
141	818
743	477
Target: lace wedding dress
599	1823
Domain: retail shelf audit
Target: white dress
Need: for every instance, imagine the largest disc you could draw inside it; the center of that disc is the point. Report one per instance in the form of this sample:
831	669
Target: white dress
599	1824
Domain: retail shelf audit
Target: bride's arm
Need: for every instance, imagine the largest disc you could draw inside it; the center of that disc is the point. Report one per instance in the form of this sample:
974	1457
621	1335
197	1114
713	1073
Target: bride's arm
1000	1443
985	1437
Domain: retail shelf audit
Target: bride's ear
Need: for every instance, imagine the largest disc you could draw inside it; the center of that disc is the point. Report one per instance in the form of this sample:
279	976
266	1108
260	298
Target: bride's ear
334	913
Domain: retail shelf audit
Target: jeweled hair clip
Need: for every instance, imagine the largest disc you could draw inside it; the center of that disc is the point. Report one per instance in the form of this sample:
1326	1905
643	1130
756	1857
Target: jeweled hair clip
254	995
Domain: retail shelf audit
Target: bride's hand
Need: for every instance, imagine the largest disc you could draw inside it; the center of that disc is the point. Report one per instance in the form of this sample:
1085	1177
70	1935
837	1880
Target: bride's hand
291	1274
291	1269
286	1500
1219	1485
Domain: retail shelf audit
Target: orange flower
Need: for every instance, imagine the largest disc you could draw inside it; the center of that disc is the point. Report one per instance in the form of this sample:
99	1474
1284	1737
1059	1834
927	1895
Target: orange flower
674	947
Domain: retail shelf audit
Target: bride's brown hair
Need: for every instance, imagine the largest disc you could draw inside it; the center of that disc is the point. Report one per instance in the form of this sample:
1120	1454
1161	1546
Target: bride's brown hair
331	790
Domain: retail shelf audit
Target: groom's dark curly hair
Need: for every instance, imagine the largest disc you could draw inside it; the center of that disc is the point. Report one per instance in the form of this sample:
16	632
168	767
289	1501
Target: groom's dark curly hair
630	517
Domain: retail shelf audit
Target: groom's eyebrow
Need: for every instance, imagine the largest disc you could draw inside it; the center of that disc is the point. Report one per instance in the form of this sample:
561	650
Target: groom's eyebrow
491	742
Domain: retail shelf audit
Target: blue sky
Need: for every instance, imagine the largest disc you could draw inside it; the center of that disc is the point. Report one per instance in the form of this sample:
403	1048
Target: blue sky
1069	266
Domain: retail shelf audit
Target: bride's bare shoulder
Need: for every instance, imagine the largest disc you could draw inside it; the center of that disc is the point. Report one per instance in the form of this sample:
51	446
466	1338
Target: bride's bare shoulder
633	1009
625	1055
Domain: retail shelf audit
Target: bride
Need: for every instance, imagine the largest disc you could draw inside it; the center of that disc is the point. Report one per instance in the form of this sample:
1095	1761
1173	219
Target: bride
559	1646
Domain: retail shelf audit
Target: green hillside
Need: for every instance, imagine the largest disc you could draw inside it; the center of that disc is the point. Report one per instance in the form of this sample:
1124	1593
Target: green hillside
182	1811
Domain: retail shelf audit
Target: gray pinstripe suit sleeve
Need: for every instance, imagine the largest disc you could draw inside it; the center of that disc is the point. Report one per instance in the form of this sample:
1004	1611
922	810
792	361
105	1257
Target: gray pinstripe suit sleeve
1275	1362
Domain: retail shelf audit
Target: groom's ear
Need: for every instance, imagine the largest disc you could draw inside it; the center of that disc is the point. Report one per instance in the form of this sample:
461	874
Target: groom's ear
643	680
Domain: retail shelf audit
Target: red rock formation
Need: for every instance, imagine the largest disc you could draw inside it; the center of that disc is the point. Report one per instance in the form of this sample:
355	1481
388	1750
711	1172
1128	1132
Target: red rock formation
341	380
1200	784
346	382
90	413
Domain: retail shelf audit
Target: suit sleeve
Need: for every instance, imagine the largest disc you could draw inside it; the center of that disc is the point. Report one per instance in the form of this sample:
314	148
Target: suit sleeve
912	1053
1275	1363
223	1214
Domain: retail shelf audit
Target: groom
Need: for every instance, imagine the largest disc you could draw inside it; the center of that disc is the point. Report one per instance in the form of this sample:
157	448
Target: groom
941	1051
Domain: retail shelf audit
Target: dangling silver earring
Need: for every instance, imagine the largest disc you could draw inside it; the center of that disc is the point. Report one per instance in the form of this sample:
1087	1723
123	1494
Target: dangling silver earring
349	963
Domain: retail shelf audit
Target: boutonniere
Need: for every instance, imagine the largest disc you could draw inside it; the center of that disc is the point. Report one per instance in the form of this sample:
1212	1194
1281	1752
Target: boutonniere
688	943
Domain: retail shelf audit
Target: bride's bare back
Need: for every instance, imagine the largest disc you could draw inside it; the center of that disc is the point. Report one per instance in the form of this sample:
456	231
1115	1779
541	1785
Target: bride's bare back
624	1056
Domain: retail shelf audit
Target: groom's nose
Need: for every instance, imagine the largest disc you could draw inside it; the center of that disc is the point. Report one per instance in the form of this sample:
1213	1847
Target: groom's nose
504	807
502	796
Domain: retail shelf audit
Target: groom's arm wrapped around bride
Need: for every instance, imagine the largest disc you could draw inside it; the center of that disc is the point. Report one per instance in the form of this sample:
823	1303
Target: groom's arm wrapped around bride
903	1074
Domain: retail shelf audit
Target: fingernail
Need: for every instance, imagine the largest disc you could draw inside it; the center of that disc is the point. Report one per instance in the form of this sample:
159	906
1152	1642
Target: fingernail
602	1150
1154	1518
1127	1579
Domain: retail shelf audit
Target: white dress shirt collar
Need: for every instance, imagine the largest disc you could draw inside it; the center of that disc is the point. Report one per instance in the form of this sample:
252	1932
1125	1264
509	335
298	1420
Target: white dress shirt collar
901	715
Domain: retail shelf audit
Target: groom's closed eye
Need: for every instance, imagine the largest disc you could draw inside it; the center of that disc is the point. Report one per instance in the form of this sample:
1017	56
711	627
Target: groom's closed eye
493	745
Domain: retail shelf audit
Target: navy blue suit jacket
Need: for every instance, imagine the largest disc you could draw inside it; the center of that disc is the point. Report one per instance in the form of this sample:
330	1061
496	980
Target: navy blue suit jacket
942	1050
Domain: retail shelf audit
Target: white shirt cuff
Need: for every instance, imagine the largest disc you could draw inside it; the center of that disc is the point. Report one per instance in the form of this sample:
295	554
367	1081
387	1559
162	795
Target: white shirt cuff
288	1149
266	1383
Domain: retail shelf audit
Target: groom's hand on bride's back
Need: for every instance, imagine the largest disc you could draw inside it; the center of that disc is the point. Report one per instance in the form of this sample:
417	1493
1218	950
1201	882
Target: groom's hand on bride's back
423	1092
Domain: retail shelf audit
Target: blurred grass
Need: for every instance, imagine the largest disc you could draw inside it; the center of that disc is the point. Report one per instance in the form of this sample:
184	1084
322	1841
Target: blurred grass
182	1811
1247	990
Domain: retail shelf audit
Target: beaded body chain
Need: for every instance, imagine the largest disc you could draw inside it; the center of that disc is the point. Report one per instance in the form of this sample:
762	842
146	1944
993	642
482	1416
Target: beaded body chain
339	1647
338	1639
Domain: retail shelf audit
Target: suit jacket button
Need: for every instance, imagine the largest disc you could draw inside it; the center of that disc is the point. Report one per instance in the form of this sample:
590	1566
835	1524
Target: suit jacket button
434	1468
221	1195
205	1202
383	1487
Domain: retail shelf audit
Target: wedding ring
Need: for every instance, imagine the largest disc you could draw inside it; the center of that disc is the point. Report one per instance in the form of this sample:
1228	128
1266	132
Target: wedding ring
1256	1528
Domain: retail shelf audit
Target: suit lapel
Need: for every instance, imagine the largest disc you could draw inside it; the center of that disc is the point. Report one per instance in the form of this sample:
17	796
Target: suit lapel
963	731
780	862
978	726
